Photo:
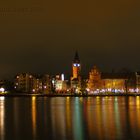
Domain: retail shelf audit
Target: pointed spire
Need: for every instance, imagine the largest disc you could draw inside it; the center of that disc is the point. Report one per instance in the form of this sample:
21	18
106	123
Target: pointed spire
76	58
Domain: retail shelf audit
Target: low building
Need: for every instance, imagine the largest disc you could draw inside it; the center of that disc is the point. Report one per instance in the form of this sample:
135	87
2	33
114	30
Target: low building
119	82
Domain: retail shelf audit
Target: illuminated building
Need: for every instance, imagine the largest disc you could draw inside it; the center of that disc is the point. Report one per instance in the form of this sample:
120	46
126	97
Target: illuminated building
94	81
112	82
42	84
24	83
119	82
76	77
37	84
28	83
47	84
60	84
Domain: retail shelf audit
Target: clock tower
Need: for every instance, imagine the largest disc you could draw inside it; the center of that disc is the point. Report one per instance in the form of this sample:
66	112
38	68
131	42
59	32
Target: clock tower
76	75
76	66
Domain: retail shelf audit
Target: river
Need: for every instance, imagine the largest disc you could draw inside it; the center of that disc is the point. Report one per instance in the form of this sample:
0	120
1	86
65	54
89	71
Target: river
70	118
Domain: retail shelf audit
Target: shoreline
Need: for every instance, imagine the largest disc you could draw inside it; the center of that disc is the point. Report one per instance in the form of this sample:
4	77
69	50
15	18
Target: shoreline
66	95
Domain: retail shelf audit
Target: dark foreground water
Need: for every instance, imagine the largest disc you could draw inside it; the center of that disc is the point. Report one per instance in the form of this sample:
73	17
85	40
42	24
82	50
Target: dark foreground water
69	118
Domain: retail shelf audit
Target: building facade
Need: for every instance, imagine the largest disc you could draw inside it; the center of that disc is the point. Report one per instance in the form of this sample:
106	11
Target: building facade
29	83
24	83
126	82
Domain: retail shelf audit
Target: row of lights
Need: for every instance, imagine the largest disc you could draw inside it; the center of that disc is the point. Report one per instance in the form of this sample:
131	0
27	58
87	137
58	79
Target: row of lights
111	90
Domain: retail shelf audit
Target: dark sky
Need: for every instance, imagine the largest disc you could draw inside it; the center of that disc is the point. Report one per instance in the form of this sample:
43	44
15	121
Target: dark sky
42	36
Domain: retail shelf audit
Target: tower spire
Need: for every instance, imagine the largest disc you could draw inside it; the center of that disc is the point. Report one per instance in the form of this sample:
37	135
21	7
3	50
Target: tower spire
76	58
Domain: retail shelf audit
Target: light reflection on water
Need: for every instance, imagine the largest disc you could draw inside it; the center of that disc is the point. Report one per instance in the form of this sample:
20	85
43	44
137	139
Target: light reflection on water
69	118
2	117
34	117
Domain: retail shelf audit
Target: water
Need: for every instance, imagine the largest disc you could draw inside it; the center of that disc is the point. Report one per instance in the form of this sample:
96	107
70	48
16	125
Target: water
69	118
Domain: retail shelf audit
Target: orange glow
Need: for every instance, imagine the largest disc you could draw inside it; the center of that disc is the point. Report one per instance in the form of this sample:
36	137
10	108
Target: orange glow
34	115
76	71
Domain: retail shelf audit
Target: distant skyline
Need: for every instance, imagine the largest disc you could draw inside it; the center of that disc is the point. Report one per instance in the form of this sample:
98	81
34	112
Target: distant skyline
42	36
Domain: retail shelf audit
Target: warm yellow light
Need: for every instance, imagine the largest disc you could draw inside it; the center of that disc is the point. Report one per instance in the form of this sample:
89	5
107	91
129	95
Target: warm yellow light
33	98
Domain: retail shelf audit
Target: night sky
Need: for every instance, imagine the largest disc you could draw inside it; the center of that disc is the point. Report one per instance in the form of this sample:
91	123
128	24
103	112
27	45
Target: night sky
42	36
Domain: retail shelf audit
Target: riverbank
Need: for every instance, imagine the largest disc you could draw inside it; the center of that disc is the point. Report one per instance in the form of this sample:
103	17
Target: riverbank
66	95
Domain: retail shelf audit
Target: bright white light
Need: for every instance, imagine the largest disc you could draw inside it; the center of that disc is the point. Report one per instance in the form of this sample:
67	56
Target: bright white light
116	90
53	82
2	98
131	90
109	89
76	65
103	90
137	90
2	89
88	89
62	77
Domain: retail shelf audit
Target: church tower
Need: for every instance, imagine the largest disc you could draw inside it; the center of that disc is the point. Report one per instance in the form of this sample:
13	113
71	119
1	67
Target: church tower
76	66
94	81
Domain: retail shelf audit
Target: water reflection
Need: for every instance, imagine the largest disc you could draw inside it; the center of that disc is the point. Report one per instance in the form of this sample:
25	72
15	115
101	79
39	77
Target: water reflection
68	114
77	120
70	118
58	117
34	116
2	117
16	118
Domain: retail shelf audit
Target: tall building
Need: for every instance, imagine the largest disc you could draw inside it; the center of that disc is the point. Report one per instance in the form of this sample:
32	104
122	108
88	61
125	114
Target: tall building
24	83
76	74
